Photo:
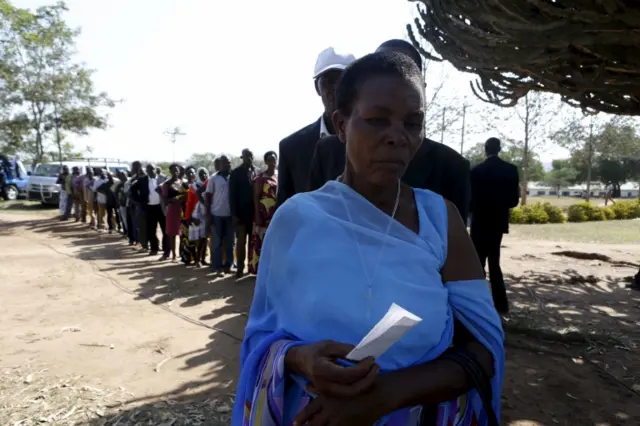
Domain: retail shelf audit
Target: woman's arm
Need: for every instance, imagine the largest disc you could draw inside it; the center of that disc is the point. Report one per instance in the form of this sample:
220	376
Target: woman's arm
442	379
257	189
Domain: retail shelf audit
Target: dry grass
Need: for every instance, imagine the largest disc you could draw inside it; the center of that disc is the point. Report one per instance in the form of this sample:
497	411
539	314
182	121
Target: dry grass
609	232
29	397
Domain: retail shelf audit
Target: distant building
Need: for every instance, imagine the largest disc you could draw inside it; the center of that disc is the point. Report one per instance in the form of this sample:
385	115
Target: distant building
627	190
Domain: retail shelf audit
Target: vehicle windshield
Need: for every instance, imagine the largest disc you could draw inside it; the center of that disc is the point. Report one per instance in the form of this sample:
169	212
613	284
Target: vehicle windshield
50	170
117	169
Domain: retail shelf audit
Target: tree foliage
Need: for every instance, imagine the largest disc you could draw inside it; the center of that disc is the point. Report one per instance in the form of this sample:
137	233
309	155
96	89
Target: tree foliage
47	96
603	149
562	174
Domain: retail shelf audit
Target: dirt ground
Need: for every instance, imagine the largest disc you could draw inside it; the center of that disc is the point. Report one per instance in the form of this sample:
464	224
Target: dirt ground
94	333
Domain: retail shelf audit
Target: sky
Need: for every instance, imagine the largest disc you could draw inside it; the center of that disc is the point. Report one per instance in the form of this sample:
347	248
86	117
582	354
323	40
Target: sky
231	75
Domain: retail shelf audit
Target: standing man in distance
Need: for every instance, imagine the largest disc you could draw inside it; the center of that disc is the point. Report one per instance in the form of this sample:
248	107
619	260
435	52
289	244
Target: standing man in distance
435	166
139	194
155	215
219	220
241	203
495	188
89	204
296	150
101	197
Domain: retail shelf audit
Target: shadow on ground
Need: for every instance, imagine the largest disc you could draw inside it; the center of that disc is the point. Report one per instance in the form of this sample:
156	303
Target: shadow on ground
585	326
25	206
198	296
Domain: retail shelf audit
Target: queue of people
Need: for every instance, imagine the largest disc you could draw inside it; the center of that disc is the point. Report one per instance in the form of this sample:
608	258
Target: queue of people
188	208
362	214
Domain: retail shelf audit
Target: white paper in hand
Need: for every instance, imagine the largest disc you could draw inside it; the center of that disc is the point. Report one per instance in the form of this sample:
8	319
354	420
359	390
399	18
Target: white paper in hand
391	328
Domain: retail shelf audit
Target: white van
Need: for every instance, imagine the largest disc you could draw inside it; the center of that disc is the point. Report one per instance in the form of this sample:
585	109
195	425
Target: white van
42	181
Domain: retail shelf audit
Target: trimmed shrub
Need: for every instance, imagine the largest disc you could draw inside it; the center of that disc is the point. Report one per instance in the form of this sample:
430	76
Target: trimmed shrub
577	213
518	216
555	213
626	209
585	211
535	213
609	214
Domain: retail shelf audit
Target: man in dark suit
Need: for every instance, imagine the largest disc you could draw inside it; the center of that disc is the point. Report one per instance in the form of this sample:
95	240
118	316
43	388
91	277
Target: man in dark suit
146	195
241	206
139	194
495	188
296	150
435	166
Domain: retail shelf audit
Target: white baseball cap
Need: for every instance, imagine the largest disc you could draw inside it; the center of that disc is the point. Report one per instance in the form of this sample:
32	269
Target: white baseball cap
329	59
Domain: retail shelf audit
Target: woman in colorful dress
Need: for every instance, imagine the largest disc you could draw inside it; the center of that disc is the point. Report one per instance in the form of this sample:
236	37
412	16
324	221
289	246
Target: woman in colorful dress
265	187
194	238
174	194
336	260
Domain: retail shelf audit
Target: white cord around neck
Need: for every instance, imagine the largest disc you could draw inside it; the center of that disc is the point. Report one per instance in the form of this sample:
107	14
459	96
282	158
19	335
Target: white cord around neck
371	278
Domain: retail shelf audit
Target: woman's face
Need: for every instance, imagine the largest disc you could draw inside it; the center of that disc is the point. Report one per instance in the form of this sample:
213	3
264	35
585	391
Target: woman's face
385	128
175	172
271	161
203	175
191	174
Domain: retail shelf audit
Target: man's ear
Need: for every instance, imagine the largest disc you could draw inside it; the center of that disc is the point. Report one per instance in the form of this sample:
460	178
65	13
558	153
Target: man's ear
340	125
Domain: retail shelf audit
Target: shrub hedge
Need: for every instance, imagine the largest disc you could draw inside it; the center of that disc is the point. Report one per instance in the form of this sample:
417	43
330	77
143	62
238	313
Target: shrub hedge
579	212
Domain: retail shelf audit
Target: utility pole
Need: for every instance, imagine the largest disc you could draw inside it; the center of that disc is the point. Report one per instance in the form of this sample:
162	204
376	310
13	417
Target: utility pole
173	135
442	129
464	115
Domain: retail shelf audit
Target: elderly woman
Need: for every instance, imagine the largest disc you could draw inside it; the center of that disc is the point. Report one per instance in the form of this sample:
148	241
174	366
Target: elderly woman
334	261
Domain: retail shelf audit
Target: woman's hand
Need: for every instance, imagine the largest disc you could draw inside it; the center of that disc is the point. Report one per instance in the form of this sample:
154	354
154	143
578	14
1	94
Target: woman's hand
317	362
362	410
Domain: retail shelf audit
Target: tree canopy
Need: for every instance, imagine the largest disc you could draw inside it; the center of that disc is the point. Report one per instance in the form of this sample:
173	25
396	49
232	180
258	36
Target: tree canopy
605	150
46	96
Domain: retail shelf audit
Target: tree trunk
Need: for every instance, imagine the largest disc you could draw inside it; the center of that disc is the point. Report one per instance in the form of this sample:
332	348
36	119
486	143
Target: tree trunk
589	160
525	155
444	112
464	114
58	138
39	154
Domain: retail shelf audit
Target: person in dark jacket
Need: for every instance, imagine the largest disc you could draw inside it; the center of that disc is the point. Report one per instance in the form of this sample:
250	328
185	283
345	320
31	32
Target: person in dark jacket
435	166
241	203
139	196
296	150
495	188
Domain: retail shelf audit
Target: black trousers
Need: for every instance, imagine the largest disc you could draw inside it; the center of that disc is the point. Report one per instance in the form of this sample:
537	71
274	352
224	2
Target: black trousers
113	217
155	217
637	280
131	233
487	243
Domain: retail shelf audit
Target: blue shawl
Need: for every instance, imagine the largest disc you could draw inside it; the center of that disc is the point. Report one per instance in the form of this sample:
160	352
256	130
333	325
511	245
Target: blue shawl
331	266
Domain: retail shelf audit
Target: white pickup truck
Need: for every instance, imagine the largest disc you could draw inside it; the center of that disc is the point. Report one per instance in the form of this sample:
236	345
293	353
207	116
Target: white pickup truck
42	182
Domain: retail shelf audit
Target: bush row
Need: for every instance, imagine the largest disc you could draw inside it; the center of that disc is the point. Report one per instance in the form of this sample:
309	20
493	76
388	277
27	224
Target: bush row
580	212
